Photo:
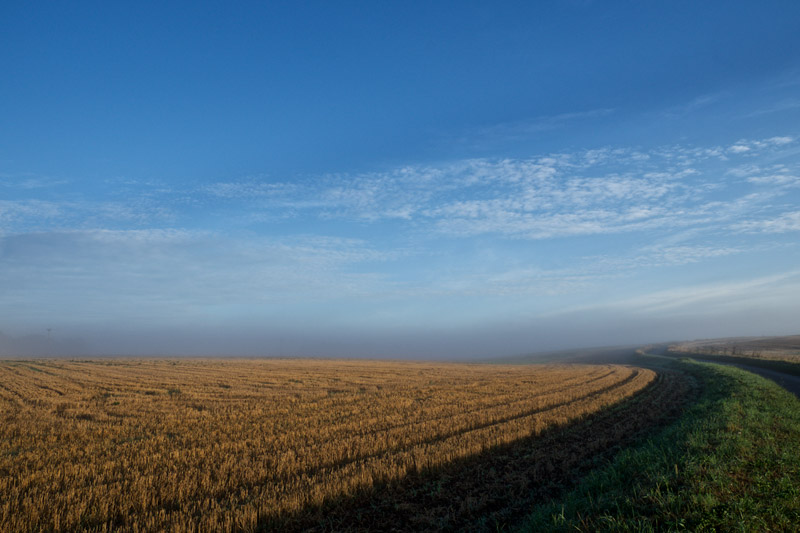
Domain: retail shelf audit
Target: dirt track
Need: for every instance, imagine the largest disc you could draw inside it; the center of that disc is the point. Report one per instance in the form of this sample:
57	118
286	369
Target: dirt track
787	381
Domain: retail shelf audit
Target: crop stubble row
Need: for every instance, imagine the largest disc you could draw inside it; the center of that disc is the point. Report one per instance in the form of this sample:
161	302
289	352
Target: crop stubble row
227	445
494	490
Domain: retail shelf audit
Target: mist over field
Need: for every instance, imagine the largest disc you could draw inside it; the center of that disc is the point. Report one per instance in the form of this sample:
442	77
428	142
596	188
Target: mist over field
567	331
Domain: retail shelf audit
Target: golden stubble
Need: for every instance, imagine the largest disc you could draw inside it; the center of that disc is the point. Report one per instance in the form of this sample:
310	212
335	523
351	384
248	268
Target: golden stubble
223	445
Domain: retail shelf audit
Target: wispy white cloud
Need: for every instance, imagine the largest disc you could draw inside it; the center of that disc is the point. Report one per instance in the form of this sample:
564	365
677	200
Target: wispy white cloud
662	255
376	223
709	298
166	272
249	189
524	128
34	214
29	181
588	192
516	130
16	211
789	104
693	105
779	180
745	146
739	148
784	223
750	169
470	220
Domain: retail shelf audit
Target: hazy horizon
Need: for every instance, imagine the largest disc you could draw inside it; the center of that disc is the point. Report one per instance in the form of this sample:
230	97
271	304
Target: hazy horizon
389	180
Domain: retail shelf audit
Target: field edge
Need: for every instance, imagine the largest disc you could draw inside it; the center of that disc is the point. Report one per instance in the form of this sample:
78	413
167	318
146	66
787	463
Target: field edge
728	463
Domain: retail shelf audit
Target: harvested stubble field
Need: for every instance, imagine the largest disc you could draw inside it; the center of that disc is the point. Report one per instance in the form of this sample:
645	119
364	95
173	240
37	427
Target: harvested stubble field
785	348
202	445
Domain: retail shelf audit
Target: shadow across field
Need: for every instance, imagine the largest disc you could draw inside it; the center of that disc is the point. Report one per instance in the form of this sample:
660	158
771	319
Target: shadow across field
728	464
496	488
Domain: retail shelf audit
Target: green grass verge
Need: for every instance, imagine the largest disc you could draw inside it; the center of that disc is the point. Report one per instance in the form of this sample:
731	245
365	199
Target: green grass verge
730	463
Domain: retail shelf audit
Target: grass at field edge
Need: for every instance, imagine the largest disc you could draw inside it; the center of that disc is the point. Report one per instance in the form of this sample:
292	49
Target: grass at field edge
730	463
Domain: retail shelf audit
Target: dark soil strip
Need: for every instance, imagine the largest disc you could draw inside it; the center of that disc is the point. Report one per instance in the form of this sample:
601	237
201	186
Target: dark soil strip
496	488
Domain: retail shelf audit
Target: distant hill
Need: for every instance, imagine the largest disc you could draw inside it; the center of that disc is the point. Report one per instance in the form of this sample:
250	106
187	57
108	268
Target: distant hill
786	348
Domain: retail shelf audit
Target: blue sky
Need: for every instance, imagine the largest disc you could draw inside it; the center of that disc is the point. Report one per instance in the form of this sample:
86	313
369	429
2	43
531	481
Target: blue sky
397	179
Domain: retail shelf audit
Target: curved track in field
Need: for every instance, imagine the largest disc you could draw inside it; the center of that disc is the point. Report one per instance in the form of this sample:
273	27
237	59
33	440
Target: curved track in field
496	487
787	381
